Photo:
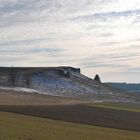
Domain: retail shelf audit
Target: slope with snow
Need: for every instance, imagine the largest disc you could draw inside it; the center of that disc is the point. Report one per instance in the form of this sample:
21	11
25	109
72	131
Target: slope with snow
66	82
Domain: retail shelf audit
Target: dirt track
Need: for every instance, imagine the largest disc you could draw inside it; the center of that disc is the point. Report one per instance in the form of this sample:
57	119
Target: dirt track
82	114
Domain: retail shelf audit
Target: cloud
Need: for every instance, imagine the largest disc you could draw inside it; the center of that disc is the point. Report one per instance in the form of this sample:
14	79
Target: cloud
109	16
100	36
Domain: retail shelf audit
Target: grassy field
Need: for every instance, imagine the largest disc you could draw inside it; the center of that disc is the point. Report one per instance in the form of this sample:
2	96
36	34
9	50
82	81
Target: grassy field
21	127
83	114
108	121
118	106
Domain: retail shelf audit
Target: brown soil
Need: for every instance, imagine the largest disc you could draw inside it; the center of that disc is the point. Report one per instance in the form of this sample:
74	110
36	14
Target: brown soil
82	114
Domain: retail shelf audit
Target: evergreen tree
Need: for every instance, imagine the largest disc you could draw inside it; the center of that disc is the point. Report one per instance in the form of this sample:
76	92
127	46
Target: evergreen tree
97	78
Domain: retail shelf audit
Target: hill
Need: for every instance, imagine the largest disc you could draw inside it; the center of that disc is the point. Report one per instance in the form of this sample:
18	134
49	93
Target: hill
62	81
134	88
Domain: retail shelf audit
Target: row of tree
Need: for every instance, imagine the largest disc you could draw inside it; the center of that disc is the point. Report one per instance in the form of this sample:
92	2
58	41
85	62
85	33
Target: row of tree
12	78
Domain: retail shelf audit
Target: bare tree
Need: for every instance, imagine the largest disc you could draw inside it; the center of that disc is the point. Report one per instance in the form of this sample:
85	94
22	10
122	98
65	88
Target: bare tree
12	76
27	80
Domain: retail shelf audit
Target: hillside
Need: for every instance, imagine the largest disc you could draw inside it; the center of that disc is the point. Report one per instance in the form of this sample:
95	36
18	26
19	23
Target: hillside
62	81
22	97
134	88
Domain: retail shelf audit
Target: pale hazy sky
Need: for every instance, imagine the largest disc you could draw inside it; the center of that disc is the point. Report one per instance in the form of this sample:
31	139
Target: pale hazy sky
99	36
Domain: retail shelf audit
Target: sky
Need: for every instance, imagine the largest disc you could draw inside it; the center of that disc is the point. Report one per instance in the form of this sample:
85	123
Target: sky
99	36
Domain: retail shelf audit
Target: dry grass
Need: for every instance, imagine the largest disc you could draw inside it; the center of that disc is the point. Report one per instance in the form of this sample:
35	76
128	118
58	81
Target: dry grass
20	127
118	106
23	98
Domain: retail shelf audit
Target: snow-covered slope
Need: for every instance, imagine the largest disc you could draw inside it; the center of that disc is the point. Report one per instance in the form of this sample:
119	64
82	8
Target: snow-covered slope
20	89
78	85
62	86
66	82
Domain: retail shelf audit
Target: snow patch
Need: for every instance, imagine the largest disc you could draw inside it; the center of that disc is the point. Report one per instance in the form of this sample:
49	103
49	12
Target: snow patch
20	89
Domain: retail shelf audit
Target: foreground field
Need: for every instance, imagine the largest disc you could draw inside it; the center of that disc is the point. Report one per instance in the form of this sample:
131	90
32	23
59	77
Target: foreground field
40	117
21	127
118	106
82	113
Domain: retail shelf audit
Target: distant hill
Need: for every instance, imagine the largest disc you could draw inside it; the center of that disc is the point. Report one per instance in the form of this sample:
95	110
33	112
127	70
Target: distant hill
126	86
62	81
